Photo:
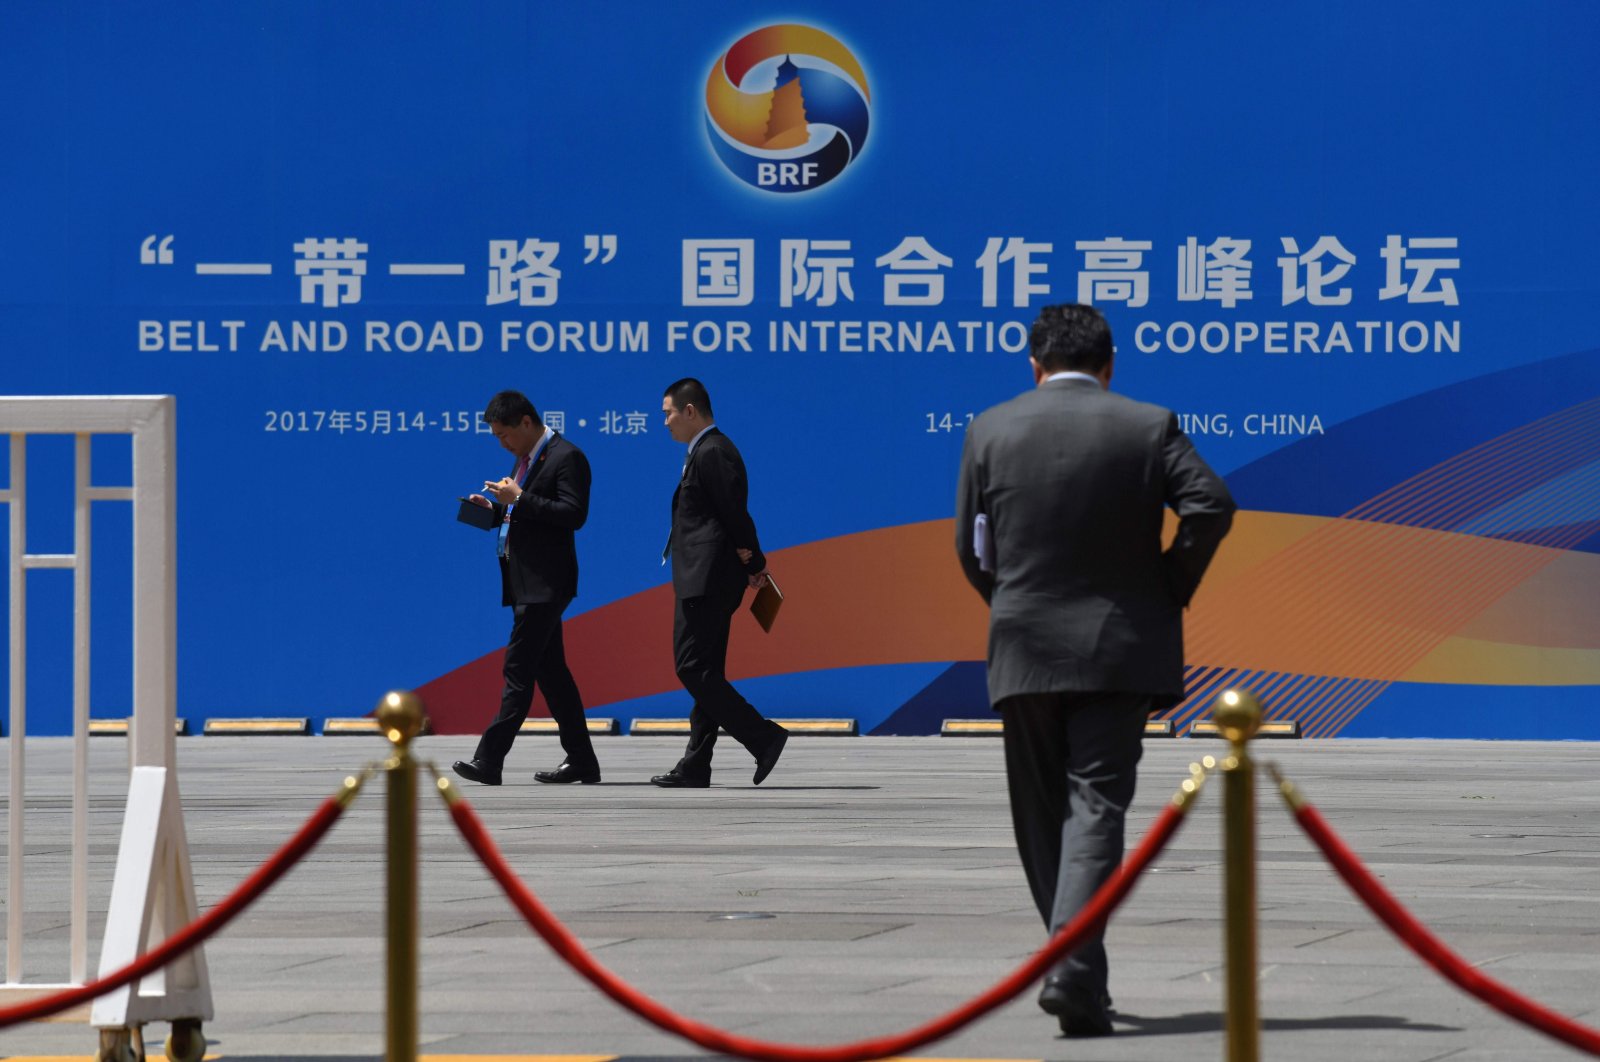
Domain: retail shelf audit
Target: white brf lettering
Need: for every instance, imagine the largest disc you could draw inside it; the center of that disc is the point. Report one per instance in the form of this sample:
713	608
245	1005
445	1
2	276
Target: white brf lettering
799	174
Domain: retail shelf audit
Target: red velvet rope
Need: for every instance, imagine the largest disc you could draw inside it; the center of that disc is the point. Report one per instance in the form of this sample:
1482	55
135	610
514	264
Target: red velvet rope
566	945
195	932
1434	951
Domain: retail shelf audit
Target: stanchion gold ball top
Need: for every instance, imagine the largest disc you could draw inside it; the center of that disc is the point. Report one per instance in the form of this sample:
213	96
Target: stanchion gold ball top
1237	714
401	716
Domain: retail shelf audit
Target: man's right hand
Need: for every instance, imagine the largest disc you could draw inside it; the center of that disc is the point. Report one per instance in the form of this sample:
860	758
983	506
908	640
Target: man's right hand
478	499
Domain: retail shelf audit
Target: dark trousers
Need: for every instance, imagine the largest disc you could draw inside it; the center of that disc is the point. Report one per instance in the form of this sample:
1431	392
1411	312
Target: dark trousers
1071	764
700	651
534	654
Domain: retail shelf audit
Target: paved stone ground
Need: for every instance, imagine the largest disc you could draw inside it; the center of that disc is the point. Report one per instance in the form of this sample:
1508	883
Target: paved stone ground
889	868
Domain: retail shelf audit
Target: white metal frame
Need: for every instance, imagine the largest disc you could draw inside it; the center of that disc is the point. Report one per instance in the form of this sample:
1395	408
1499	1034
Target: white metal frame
152	891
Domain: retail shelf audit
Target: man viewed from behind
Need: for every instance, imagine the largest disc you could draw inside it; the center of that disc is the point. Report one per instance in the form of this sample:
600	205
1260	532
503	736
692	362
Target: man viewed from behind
1058	525
715	555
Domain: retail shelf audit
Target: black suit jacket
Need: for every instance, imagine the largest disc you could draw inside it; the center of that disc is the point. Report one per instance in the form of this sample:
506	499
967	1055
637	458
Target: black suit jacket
711	520
1074	480
541	561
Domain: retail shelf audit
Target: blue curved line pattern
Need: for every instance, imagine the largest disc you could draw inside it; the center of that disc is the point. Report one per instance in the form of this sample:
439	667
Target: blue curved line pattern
1326	475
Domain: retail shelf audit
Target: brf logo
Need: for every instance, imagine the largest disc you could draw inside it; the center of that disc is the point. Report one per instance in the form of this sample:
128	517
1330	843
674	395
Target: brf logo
787	108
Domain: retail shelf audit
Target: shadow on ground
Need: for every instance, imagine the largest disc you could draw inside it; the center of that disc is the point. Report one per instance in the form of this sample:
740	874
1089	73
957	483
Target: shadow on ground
1211	1021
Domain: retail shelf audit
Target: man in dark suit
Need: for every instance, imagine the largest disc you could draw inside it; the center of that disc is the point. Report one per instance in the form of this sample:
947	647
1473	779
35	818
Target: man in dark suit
1058	526
715	555
537	510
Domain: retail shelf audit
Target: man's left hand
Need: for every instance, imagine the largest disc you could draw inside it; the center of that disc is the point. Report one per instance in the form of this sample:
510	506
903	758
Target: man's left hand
505	490
761	579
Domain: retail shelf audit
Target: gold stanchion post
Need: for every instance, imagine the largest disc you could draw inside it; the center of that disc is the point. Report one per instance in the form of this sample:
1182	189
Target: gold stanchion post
400	714
1237	714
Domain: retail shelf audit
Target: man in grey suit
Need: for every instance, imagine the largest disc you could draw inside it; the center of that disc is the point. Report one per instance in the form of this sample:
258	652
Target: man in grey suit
1058	526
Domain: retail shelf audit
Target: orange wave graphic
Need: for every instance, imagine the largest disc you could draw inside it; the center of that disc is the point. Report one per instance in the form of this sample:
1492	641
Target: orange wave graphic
1349	604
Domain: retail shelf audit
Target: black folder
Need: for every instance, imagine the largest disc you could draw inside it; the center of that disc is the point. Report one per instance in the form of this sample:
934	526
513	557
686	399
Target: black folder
476	515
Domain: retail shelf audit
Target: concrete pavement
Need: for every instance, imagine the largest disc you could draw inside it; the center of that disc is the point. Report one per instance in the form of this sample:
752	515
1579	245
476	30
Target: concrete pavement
888	869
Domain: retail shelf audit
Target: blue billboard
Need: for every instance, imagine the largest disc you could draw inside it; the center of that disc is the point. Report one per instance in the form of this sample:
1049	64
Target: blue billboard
1352	246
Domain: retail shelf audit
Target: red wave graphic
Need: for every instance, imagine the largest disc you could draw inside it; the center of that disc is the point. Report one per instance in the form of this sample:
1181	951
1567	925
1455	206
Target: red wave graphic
833	616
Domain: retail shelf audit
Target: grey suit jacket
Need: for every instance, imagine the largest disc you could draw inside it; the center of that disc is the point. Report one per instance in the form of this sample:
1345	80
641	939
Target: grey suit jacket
1074	480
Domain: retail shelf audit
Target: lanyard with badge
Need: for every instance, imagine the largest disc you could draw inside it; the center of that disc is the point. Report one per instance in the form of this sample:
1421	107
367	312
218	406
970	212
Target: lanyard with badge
502	542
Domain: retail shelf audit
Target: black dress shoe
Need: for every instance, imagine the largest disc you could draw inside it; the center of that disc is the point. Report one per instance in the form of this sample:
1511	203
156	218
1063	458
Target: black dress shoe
1055	985
674	780
569	773
477	771
1081	1013
1053	994
769	756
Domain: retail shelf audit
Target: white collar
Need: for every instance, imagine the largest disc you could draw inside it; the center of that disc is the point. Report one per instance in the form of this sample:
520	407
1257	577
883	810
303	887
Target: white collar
1071	375
540	445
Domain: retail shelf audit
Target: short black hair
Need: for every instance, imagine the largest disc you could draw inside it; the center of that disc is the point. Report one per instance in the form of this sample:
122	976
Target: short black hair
508	408
1070	337
689	391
